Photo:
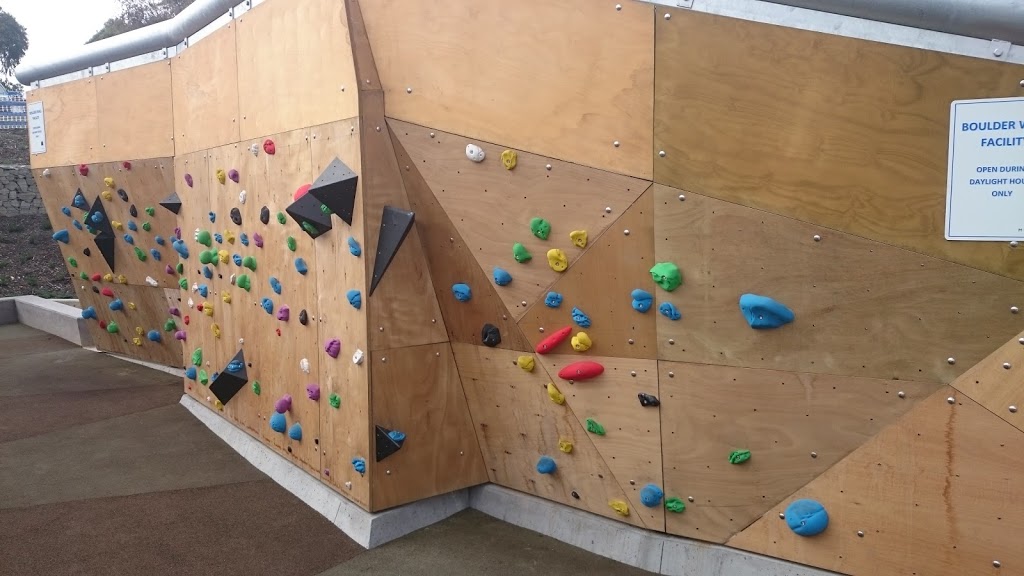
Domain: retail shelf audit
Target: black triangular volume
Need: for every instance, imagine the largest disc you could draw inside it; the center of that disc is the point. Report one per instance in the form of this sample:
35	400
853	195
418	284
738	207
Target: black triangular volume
336	188
228	383
394	227
307	212
172	203
384	446
79	201
105	242
103	227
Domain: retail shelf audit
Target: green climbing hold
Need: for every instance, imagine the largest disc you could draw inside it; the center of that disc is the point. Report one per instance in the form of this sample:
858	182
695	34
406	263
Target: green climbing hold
256	387
335	400
140	254
197	356
150	210
207	256
291	244
540	227
204	238
180	268
594	427
325	209
147	226
249	262
72	261
280	218
83	275
170	326
667	275
310	229
203	378
183	283
243	282
520	253
112	327
739	456
675	504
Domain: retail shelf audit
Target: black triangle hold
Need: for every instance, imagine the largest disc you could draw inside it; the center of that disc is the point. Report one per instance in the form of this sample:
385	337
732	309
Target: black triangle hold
172	203
336	188
394	227
105	242
229	381
79	201
309	213
385	445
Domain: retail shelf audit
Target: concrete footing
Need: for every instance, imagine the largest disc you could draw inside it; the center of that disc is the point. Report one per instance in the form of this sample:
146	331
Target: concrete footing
49	316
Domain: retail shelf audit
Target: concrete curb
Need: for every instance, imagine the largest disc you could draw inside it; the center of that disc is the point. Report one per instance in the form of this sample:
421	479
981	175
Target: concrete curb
8	311
52	317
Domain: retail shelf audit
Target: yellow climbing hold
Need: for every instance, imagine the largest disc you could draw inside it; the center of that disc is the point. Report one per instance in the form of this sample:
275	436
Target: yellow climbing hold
553	393
109	182
525	362
132	306
579	238
215	328
137	341
557	260
581	342
226	297
107	195
229	236
565	446
108	277
619	506
217	404
508	158
138	330
122	279
222	176
223	256
208	309
117	225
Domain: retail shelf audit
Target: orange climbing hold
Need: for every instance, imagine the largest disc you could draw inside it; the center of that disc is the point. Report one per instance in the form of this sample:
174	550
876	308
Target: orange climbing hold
551	342
581	370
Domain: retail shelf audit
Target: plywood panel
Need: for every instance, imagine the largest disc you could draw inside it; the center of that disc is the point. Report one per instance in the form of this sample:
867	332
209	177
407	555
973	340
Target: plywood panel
862	308
366	68
491	207
451	262
995	382
417	390
204	89
601	282
845	133
281	90
69	114
938	493
149	314
795	424
631	446
497	74
516	424
135	116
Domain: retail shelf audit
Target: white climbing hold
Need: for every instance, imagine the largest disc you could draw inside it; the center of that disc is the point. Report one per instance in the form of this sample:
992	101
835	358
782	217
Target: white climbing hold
241	341
357	358
232	279
348	485
191	304
475	153
255	149
151	281
196	235
241	196
195	287
304	365
46	172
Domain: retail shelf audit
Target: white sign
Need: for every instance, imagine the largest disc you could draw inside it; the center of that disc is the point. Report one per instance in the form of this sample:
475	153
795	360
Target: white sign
985	184
36	128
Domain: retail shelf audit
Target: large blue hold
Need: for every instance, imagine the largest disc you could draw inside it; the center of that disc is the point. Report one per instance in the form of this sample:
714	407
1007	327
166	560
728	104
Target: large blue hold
235	366
669	310
116	305
268	305
62	236
88	313
642	300
278	423
806	517
80	202
207	272
762	312
66	211
580	317
295	432
397	437
181	248
501	276
300	266
191	373
553	300
462	292
546	465
359	465
354	298
154	336
96	217
353	247
651	495
132	226
155	254
128	238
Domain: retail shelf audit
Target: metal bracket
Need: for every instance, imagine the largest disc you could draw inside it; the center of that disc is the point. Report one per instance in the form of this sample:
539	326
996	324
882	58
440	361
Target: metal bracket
684	3
1000	48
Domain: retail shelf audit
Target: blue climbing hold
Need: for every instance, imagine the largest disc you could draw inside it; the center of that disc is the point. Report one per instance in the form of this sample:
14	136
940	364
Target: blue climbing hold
397	437
353	247
159	240
668	310
354	298
89	312
66	211
191	373
181	248
642	300
278	423
204	290
300	266
153	335
76	224
96	217
462	292
553	300
763	312
546	465
214	377
651	495
213	216
581	318
207	272
501	276
155	254
244	239
359	465
237	259
275	285
235	366
218	238
80	202
268	305
132	226
295	432
116	304
128	238
62	236
806	517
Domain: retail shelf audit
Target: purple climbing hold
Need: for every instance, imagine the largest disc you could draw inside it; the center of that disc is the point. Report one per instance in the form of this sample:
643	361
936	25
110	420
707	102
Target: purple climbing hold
313	391
257	239
333	347
283	313
168	269
284	404
180	335
233	174
188	180
173	311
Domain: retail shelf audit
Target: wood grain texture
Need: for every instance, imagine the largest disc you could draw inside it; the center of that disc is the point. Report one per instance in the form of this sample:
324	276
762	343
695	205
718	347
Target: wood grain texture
937	493
417	390
149	314
781	417
70	120
366	68
280	90
499	75
204	89
516	424
135	113
631	446
452	262
600	284
862	308
491	207
844	133
995	382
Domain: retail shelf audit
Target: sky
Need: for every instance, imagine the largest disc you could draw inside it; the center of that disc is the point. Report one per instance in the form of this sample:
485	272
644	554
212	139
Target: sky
58	27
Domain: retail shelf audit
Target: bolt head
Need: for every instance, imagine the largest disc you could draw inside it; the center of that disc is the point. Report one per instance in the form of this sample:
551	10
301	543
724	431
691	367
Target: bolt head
951	360
671	374
661	153
541	329
547	166
682	197
668	16
814	454
431	134
817	238
782	516
1006	366
630	340
608	209
950	400
1013	409
616	143
632	373
997	52
626	231
1014	310
860	533
996	563
902	394
618	6
1013	244
408	90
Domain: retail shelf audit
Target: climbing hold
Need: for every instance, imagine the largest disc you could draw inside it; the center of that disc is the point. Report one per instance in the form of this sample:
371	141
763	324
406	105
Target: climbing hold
520	253
204	238
112	327
283	313
147	227
188	180
197	356
108	182
180	335
267	304
122	195
207	309
215	328
553	300
675	504
79	201
249	262
132	226
334	400
642	300
191	373
353	247
122	279
265	215
357	357
225	296
301	191
72	262
229	236
295	432
233	175
462	292
222	176
579	238
207	272
739	456
207	256
154	253
580	317
581	370
333	347
213	217
475	153
395	225
490	335
151	281
88	313
117	225
140	254
565	446
257	239
116	305
594	427
648	400
806	517
557	260
556	396
304	365
508	159
66	211
525	362
620	507
244	239
108	277
651	495
107	195
501	277
763	312
256	388
540	227
180	247
291	243
107	292
581	342
237	259
313	391
546	465
669	311
268	146
354	298
76	224
83	275
275	285
548	344
278	423
667	275
300	266
128	238
359	465
303	317
62	236
218	238
283	404
281	218
169	325
243	282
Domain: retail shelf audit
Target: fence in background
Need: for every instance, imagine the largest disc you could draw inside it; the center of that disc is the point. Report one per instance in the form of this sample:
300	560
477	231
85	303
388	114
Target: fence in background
12	110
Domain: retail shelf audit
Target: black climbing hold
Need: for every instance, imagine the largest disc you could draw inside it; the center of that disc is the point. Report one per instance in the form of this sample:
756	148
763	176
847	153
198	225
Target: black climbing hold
228	383
648	400
104	231
133	211
87	252
96	289
575	495
490	335
384	446
394	227
336	188
265	215
172	203
303	318
306	211
123	195
106	245
236	216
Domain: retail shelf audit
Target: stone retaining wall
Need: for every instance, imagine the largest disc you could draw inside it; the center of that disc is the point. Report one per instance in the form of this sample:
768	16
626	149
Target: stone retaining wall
18	192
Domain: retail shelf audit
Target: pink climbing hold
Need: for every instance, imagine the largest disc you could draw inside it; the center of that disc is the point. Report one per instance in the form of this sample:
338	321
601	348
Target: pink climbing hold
333	347
126	165
313	391
173	311
169	270
180	335
268	146
301	191
283	313
327	471
233	174
177	233
257	239
107	292
83	169
97	277
283	404
188	180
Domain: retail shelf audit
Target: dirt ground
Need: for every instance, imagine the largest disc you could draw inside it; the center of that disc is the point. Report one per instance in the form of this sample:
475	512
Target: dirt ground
30	261
13	147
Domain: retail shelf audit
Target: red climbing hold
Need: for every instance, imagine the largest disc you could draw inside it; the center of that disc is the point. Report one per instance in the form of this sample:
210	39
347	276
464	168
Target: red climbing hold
103	324
83	169
268	146
107	292
96	277
301	191
581	370
187	320
278	331
127	165
548	344
199	307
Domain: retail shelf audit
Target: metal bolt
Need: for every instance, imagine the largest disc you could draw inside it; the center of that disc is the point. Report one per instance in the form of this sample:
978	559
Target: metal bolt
1022	83
431	134
438	354
860	533
1006	365
668	16
630	340
381	328
504	316
388	472
661	153
817	238
1013	244
616	143
951	400
548	166
461	453
1014	309
408	90
671	374
541	329
618	6
1013	409
632	373
781	515
997	52
378	128
384	359
626	231
433	320
682	197
608	209
671	340
951	360
814	454
632	482
1019	340
523	302
902	394
996	563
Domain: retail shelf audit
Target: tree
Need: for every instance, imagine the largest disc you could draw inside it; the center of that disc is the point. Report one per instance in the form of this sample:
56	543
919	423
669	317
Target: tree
13	44
138	14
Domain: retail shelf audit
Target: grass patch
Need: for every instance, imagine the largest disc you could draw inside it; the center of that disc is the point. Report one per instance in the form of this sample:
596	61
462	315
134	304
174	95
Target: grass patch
32	281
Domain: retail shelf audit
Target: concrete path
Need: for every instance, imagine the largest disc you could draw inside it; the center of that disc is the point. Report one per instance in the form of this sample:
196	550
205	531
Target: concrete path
103	472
